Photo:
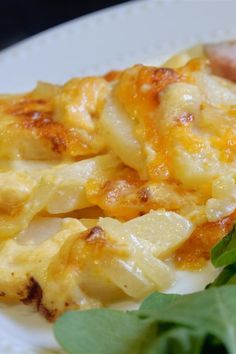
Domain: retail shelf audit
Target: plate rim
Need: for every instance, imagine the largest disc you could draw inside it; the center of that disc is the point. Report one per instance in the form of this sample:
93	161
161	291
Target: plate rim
73	23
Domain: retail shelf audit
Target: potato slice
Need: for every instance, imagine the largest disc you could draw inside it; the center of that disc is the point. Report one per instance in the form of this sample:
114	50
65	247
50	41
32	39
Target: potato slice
215	90
118	130
141	267
58	190
164	231
127	276
71	179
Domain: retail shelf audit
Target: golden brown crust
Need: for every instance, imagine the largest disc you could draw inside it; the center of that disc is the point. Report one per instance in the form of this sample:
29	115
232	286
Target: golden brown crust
46	120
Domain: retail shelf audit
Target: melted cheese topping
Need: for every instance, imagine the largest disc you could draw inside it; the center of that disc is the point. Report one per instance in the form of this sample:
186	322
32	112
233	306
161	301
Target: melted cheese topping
121	146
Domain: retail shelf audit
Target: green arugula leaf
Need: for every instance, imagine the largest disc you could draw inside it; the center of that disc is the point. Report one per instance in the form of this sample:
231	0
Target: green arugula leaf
227	276
157	301
101	331
212	311
224	253
200	323
177	340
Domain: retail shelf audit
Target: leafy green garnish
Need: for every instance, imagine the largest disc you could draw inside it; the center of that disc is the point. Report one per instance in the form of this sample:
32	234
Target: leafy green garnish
211	311
178	325
177	340
227	276
103	331
157	301
224	253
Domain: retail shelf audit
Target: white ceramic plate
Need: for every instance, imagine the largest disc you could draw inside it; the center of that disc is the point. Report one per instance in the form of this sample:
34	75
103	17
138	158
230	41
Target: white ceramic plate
145	31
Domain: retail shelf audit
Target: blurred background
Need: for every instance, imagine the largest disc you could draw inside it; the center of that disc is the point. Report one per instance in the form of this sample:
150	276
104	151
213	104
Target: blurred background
20	19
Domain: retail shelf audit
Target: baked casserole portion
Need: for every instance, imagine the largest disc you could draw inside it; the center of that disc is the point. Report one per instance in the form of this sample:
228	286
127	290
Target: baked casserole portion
109	184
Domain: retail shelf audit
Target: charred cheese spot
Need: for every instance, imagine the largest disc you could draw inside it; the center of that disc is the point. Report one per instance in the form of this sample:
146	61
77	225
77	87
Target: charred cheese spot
185	118
96	234
34	293
34	296
143	195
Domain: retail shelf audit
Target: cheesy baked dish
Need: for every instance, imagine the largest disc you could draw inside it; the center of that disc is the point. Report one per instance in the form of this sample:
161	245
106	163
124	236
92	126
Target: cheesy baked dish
109	184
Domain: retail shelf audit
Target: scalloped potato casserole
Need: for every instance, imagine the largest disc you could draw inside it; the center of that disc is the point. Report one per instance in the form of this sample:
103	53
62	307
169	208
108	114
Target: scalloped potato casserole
109	184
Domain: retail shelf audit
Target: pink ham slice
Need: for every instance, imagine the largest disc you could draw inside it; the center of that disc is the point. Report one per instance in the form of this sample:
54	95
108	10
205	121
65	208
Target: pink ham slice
222	57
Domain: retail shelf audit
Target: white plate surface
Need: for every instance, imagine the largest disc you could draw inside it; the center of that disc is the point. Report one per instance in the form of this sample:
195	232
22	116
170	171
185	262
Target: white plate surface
146	31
